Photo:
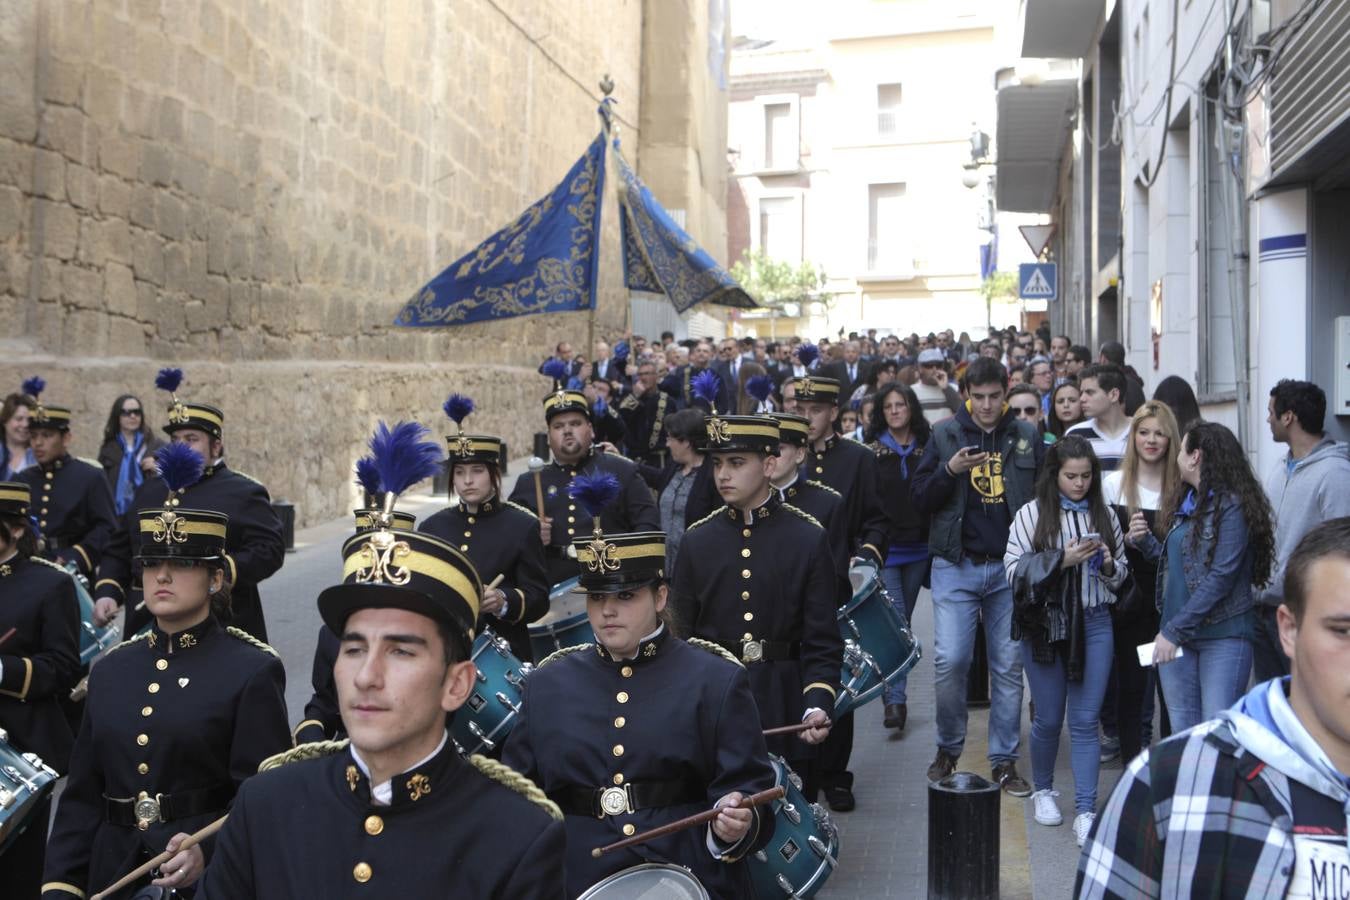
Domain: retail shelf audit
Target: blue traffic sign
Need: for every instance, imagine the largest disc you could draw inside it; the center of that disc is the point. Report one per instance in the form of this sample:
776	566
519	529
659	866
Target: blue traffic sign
1037	281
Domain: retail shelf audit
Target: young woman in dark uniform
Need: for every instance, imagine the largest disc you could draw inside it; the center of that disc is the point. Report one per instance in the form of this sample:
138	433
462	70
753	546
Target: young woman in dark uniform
177	718
498	536
39	663
642	729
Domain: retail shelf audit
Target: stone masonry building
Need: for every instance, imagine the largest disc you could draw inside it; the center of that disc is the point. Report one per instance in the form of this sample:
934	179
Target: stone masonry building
250	189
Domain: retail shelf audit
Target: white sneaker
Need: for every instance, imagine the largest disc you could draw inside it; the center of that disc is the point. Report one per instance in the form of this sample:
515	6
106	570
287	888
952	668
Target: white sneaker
1082	824
1046	809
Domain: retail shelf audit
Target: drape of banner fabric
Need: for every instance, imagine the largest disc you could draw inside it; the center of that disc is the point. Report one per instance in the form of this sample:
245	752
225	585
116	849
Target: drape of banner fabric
544	261
659	257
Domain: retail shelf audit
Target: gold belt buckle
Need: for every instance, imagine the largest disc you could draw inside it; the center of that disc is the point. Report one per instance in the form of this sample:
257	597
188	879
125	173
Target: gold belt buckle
752	651
615	801
146	810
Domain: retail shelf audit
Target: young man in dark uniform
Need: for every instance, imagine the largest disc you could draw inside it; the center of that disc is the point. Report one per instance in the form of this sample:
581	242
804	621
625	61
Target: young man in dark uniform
756	576
641	728
571	439
823	502
851	469
500	538
397	812
71	499
254	547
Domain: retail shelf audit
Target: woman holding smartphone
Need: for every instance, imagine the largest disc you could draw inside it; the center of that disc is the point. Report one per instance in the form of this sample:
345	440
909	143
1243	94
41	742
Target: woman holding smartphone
1065	560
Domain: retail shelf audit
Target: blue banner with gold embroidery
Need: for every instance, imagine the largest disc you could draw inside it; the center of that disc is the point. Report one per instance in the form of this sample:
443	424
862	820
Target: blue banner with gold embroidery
544	261
658	256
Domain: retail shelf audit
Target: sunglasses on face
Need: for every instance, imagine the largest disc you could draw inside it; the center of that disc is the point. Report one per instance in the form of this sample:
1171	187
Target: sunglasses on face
1028	411
131	412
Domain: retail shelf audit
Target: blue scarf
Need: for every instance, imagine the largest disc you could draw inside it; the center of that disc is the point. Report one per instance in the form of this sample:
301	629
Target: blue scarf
1082	506
129	477
1187	508
903	452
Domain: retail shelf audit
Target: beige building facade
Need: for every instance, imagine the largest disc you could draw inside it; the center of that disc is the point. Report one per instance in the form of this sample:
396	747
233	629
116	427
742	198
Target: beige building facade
848	140
251	189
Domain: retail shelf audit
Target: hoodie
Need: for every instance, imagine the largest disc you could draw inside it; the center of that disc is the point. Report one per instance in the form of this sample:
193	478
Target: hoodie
1303	494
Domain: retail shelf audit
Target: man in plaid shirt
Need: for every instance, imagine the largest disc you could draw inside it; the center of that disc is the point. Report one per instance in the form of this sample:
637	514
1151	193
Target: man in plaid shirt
1254	802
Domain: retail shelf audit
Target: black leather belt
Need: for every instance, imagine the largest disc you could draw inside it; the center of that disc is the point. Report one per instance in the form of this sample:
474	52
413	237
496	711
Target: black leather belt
628	798
143	811
979	560
762	651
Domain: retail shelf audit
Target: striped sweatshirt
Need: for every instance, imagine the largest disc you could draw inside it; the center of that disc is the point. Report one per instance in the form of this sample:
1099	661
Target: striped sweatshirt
1098	588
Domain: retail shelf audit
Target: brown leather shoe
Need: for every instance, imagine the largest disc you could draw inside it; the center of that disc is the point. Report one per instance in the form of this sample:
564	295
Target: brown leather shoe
895	716
943	765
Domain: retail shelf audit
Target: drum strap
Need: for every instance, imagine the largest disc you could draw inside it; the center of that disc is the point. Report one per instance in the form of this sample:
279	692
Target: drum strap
182	805
579	801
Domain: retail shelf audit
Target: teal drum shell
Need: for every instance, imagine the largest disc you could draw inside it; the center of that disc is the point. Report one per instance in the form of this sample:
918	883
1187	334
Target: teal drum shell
490	712
805	846
93	639
24	781
878	645
564	625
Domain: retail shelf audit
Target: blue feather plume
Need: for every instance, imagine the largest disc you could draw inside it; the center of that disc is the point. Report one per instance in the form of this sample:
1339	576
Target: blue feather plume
621	350
179	466
594	492
367	476
555	369
759	387
458	407
403	456
169	379
807	354
705	386
34	386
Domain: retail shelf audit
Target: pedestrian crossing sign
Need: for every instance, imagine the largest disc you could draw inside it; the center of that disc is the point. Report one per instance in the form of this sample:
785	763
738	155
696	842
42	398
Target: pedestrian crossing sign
1036	281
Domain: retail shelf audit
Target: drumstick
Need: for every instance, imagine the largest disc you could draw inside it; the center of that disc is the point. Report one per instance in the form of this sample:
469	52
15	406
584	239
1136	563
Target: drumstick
794	729
150	864
537	469
8	634
496	581
762	797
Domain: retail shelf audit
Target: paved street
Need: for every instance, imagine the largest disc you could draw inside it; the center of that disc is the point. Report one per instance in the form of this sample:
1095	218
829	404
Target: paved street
884	842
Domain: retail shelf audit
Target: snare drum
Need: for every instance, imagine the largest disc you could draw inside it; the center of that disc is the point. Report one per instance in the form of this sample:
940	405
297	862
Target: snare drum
649	881
878	645
564	625
486	718
24	781
805	845
93	640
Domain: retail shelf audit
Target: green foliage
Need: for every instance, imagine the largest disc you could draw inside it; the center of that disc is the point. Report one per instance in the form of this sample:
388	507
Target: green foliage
999	286
774	282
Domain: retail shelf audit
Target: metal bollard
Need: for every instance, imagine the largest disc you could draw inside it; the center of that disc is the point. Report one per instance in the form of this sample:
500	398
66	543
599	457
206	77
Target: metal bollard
541	444
963	816
440	482
286	513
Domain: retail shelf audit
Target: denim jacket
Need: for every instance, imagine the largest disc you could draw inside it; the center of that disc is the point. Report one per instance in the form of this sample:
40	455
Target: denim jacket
1218	591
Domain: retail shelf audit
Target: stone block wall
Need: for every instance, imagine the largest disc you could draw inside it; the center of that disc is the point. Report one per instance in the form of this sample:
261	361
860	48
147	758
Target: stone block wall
250	189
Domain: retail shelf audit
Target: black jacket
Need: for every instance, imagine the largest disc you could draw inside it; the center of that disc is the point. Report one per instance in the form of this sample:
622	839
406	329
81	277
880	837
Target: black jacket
74	509
110	457
1041	589
677	715
41	660
851	469
644	418
906	523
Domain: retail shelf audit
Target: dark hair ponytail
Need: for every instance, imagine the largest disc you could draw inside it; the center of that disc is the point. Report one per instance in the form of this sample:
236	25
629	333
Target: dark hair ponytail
1224	469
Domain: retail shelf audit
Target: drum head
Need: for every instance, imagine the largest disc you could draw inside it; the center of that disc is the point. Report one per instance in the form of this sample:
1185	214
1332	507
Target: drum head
649	881
562	605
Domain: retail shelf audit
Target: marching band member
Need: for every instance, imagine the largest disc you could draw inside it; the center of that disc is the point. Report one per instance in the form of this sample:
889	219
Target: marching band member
499	537
571	439
642	728
39	662
756	577
822	502
254	548
397	812
74	506
177	717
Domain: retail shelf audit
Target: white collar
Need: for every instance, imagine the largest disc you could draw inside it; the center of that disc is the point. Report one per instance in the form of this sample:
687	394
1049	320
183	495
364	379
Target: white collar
382	794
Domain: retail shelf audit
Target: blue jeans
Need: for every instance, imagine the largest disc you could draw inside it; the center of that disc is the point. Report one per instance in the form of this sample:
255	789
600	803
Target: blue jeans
962	595
1051	690
903	583
1208	677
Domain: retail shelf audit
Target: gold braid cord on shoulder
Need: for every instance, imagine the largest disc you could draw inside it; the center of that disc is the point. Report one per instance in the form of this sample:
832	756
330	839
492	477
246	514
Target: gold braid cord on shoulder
708	518
804	514
47	562
313	750
127	643
525	509
824	487
559	654
247	638
509	777
714	649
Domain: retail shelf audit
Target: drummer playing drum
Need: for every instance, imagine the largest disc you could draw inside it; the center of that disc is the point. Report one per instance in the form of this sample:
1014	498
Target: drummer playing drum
39	662
642	728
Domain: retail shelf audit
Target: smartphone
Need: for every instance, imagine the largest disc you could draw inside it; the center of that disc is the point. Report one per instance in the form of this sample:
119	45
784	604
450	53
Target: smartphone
972	450
1145	652
1090	536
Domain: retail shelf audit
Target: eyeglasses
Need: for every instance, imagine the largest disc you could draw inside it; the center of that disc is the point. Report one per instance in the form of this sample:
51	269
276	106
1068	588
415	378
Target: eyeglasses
1029	411
130	412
